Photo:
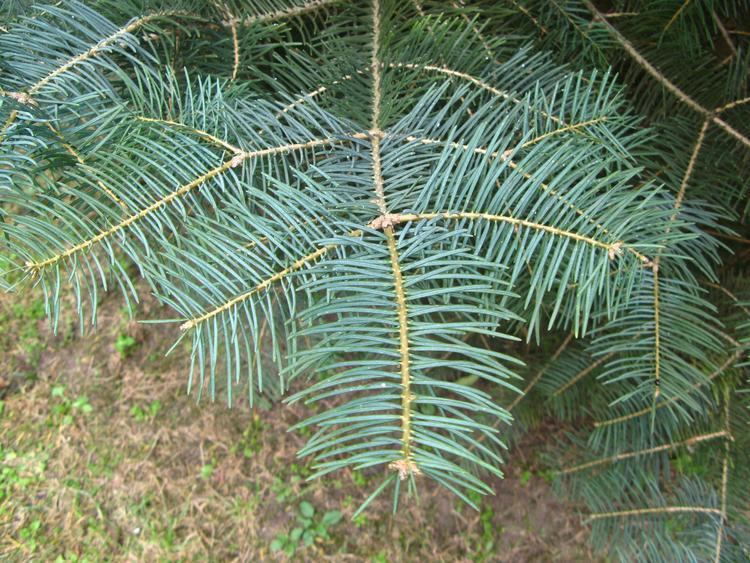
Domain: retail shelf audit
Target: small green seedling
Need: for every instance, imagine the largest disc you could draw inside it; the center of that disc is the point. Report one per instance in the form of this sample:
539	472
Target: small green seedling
309	529
124	345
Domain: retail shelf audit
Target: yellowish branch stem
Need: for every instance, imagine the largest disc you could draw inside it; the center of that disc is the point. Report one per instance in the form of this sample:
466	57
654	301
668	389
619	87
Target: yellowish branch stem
716	373
98	48
313	256
581	374
35	267
663	80
659	510
648	451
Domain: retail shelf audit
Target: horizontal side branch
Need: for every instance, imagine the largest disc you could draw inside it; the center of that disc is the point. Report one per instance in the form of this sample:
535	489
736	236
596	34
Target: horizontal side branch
647	451
663	80
99	47
659	510
395	218
505	157
278	276
721	369
35	267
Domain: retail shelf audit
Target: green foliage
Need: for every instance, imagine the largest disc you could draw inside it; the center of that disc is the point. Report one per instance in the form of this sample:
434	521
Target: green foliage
392	208
124	345
310	529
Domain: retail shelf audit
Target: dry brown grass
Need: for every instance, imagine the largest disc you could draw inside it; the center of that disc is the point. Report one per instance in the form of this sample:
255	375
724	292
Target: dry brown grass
196	482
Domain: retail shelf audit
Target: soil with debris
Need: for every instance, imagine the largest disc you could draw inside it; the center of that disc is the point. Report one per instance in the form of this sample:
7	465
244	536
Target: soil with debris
104	456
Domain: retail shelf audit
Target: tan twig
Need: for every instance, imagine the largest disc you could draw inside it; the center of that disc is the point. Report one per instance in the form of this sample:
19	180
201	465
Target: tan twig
235	48
238	159
99	47
583	373
473	216
663	80
726	37
724	476
199	132
79	159
540	373
676	14
477	82
616	248
690	167
474	30
658	510
647	451
732	105
297	265
406	465
716	373
275	15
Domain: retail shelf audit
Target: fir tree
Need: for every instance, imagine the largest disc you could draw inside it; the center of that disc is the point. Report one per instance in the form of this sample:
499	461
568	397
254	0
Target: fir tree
442	220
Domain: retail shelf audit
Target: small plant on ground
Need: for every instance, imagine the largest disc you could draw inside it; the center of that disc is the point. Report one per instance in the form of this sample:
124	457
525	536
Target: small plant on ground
310	528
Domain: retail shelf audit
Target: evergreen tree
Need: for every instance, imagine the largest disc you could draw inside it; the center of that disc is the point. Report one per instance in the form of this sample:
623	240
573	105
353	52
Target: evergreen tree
444	220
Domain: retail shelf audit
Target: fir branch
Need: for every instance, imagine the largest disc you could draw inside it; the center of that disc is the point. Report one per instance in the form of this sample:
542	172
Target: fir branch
477	82
286	13
35	267
676	14
583	373
278	276
657	510
613	249
197	132
534	380
663	80
505	157
729	362
100	47
79	159
646	451
724	476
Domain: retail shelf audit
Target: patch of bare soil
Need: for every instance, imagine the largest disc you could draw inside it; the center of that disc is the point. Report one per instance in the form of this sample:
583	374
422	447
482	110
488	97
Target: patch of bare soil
105	457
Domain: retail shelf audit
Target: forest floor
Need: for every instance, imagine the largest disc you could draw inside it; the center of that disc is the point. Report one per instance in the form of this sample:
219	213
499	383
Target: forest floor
103	456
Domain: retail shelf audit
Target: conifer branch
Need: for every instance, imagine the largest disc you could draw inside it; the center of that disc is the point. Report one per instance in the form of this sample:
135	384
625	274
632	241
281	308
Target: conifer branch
656	510
286	13
197	132
565	129
690	167
663	80
99	47
278	276
716	373
676	14
657	332
79	159
724	476
541	372
732	105
235	49
35	267
405	466
583	373
477	82
645	260
647	451
613	249
474	30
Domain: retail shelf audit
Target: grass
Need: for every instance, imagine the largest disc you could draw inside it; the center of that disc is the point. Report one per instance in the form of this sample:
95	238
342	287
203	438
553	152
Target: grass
103	453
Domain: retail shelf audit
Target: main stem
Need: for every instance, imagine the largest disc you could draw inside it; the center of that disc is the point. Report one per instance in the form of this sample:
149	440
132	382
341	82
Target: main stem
406	465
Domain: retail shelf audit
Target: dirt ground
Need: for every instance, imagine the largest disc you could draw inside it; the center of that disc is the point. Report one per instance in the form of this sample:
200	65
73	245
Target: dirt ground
105	457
